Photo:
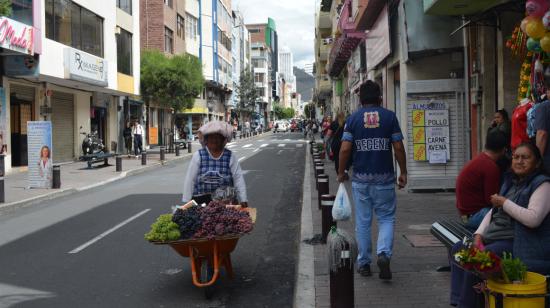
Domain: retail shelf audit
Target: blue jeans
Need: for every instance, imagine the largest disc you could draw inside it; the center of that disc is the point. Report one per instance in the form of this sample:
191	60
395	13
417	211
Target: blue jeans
381	200
475	220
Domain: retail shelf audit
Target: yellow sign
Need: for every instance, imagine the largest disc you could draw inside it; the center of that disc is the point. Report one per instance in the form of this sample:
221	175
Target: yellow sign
418	117
196	110
419	152
419	135
153	135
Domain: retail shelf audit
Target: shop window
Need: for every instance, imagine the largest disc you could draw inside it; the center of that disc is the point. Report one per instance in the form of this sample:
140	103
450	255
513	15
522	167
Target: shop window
125	5
22	11
124	52
168	40
180	26
75	26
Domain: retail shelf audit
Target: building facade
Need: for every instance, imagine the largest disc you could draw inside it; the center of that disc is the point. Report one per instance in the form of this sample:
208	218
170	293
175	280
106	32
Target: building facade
84	69
240	53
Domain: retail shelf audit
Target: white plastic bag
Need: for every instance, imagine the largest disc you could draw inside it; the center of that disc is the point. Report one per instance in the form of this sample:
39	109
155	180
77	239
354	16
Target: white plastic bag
341	209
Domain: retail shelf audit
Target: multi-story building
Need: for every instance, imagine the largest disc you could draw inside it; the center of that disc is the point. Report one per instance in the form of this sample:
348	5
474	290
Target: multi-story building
286	67
323	44
240	52
265	46
261	66
84	72
162	28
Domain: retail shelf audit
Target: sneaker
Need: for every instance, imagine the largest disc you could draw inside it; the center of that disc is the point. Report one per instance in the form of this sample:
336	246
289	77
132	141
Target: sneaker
364	271
384	266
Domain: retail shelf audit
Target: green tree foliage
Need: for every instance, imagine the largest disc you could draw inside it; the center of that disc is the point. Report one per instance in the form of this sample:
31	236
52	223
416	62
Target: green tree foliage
173	81
288	113
247	92
278	111
5	7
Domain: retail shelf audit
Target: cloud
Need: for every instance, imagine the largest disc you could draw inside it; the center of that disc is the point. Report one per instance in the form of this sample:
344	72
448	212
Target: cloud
295	21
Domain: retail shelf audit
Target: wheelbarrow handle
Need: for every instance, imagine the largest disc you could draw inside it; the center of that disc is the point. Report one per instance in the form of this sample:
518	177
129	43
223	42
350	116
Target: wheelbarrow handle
196	281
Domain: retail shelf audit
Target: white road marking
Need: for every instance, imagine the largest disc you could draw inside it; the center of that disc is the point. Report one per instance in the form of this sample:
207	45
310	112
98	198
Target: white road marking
261	140
231	146
299	145
247	145
280	151
263	145
281	145
11	295
104	234
242	158
286	140
256	150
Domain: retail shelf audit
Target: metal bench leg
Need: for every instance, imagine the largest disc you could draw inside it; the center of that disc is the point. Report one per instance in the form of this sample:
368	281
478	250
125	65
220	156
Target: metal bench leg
106	161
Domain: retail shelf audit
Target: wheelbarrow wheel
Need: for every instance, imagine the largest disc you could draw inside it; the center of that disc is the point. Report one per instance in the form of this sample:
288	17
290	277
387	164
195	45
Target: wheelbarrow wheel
206	275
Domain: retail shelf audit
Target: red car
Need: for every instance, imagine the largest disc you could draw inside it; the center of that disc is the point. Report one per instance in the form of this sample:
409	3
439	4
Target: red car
293	126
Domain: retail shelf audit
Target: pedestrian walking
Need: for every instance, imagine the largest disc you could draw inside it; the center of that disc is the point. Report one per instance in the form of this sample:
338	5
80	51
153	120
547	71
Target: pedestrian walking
542	128
127	134
370	133
138	133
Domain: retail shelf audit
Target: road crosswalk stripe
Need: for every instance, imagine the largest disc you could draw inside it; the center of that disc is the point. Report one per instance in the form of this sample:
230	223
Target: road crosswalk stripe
263	145
281	145
247	145
299	145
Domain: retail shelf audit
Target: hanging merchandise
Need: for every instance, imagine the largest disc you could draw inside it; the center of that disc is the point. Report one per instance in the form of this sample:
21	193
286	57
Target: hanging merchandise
517	43
536	8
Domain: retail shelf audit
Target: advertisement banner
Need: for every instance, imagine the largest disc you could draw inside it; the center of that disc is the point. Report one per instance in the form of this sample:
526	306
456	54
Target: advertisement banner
431	133
39	139
85	67
3	122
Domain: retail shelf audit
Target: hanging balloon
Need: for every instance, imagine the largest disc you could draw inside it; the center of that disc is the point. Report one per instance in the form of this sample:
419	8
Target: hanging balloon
535	29
525	21
533	45
536	8
546	20
545	42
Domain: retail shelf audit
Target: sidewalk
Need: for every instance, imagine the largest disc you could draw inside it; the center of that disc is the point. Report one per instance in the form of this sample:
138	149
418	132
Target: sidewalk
416	253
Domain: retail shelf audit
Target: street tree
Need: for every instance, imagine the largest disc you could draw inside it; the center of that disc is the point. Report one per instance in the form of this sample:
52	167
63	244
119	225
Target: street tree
5	8
288	113
247	92
278	111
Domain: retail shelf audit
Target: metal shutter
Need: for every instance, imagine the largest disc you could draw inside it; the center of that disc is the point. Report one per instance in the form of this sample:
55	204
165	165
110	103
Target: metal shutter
22	92
62	127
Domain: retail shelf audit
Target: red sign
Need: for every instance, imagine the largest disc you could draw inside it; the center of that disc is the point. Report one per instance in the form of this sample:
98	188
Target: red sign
16	36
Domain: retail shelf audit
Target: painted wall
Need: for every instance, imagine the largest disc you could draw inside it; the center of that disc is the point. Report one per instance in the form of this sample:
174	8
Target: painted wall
192	8
206	39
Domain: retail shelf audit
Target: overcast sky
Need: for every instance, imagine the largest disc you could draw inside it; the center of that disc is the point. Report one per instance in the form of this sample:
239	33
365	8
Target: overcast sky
294	20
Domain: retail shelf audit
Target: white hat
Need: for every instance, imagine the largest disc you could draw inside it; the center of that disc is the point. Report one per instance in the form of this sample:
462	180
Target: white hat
216	127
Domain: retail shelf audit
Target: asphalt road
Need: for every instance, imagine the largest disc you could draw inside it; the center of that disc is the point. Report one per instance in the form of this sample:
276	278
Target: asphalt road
87	250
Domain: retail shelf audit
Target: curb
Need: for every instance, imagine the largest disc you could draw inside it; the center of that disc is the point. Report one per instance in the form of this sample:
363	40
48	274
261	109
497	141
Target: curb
304	291
12	206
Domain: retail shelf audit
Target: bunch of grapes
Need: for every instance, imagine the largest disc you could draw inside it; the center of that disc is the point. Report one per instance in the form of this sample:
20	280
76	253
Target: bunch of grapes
218	220
188	220
163	230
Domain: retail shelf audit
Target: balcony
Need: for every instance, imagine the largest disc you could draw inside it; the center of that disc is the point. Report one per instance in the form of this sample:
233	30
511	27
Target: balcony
347	40
324	51
324	20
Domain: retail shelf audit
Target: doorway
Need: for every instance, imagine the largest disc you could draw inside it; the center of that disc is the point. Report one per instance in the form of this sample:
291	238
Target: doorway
21	111
98	121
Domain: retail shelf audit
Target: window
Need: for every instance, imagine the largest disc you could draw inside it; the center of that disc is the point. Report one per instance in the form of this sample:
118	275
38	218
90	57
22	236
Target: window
191	24
124	52
253	30
168	40
75	26
125	5
22	11
180	26
170	3
261	92
259	77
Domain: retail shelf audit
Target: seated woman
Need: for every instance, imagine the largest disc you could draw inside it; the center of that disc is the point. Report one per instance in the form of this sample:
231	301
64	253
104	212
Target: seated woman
213	167
518	223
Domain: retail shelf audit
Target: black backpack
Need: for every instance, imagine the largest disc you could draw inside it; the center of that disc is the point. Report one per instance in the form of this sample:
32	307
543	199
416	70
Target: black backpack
337	139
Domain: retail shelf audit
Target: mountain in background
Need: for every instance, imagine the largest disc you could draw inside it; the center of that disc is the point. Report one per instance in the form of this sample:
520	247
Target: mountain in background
304	84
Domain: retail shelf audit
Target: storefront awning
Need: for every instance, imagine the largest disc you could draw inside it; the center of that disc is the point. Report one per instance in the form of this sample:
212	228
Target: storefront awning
459	7
342	51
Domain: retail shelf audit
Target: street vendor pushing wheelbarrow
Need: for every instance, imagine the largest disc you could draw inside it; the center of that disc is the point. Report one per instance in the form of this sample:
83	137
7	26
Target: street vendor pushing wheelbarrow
214	170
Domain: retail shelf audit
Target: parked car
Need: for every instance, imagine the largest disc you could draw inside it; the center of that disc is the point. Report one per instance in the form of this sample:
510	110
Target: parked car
293	126
282	126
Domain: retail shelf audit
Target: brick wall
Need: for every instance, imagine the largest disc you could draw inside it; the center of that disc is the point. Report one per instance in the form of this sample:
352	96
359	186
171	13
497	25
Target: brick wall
152	24
259	36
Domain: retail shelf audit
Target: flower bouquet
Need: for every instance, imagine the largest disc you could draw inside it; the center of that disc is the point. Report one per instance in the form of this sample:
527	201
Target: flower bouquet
486	264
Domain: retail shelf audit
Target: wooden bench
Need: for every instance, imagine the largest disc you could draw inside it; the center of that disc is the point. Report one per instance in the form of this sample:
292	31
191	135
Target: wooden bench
91	159
449	232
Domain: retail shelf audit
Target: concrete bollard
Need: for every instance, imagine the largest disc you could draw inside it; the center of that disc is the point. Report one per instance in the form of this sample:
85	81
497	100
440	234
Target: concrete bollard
322	188
118	163
342	293
177	150
327	201
143	158
56	177
162	153
189	147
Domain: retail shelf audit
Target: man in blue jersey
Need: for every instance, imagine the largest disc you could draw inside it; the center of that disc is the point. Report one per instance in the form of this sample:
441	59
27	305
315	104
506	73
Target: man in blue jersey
369	135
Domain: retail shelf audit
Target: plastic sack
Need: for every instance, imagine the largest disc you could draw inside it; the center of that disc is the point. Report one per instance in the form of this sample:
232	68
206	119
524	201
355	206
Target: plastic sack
341	209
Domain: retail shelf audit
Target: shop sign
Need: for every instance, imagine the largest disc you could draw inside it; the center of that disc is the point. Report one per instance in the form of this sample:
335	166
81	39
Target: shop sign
17	66
85	67
153	135
16	36
431	139
39	139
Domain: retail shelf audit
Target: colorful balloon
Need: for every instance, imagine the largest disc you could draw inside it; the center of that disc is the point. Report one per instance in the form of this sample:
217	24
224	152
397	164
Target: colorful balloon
536	8
533	45
545	42
546	20
525	21
535	29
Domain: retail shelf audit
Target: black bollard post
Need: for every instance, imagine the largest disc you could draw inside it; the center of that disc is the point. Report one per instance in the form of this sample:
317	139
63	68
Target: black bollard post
322	188
319	169
189	149
2	171
315	162
341	282
162	153
56	177
143	158
326	214
119	163
177	150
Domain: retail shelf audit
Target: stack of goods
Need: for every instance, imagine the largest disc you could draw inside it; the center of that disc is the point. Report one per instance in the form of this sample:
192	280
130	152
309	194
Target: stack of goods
197	222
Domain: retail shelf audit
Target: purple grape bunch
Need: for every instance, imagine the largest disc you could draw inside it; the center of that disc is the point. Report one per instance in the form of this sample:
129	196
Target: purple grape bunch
188	220
219	220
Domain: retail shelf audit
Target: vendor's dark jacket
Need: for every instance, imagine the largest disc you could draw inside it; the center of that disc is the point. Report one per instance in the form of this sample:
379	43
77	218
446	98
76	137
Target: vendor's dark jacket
531	245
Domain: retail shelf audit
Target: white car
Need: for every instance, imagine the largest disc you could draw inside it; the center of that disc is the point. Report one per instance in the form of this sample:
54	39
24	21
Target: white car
282	126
